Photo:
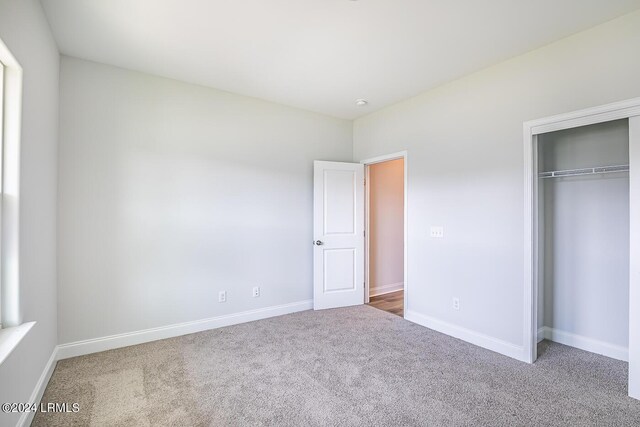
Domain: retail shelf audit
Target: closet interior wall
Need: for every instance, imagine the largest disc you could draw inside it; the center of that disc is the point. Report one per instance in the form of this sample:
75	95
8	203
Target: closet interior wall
584	235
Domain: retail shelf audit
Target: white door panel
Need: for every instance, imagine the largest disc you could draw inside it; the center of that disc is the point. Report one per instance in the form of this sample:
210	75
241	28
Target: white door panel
338	234
339	270
339	210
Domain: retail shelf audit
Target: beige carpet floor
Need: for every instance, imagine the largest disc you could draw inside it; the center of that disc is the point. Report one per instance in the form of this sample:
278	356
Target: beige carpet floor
346	367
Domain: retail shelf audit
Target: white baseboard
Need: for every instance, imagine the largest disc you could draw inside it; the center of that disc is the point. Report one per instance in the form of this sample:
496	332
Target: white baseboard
374	291
80	348
584	343
27	417
473	337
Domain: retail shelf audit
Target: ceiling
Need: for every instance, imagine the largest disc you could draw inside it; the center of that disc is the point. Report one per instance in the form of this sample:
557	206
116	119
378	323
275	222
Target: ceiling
319	55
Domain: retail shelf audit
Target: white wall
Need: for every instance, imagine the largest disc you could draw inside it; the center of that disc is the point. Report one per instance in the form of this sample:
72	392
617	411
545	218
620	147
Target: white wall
465	172
170	193
386	226
586	233
25	31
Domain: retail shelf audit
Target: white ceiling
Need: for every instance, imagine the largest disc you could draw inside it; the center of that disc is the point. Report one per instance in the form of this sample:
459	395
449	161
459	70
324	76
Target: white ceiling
319	55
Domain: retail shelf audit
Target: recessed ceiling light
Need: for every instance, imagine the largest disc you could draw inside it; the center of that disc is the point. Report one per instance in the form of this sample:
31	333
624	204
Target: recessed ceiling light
362	102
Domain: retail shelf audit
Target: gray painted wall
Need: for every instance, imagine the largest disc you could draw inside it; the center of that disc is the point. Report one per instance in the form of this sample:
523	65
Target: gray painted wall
25	31
586	233
466	169
171	192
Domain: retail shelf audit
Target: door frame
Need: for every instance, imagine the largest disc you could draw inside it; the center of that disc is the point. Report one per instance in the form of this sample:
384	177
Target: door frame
629	109
368	162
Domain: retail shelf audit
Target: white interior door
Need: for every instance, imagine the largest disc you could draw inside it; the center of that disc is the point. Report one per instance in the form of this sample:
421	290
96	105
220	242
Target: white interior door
338	228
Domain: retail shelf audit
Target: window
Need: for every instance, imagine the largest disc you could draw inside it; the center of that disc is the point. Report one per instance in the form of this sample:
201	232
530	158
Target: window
1	191
10	125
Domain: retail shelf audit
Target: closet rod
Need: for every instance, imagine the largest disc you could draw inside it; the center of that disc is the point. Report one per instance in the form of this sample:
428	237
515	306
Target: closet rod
584	171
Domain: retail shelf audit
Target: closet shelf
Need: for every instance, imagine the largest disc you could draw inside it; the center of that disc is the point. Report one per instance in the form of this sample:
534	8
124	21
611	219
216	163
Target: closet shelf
584	171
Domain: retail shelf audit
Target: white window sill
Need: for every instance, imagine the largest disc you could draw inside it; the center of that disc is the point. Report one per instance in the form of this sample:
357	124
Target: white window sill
11	337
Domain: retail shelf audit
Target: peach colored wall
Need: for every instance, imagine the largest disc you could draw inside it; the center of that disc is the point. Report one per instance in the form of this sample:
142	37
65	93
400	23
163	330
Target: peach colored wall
386	226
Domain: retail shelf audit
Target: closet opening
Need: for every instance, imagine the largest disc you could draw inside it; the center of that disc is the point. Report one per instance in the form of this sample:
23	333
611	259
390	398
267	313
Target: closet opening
385	234
583	238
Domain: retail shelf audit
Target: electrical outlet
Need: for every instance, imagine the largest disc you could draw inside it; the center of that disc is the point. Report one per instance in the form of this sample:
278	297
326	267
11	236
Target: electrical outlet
437	231
256	291
456	303
222	296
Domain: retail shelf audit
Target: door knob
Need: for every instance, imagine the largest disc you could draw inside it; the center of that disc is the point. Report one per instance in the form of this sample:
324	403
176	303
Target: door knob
318	243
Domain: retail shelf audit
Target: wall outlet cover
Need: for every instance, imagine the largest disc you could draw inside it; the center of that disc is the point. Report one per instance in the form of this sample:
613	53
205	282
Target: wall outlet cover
437	231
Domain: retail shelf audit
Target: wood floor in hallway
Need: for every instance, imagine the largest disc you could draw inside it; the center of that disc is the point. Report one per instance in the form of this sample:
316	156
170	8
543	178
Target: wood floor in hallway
393	302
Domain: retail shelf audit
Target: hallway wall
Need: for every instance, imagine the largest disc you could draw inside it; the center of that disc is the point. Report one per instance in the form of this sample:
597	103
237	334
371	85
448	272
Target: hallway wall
386	227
